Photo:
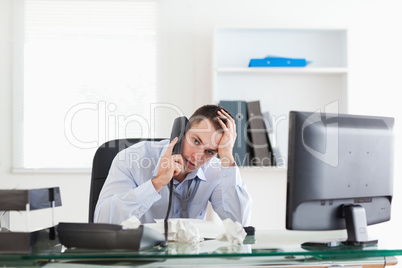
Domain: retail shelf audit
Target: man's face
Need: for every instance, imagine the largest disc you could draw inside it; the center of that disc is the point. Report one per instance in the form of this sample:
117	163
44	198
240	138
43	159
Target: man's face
200	144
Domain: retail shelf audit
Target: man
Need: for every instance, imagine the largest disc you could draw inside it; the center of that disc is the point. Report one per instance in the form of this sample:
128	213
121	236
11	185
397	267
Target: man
137	184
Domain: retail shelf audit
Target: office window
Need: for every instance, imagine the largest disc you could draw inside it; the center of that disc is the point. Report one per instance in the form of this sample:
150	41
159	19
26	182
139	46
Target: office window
84	73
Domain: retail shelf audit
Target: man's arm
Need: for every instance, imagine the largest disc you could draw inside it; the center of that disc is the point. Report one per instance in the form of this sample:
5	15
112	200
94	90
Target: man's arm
225	147
230	198
128	189
131	187
121	197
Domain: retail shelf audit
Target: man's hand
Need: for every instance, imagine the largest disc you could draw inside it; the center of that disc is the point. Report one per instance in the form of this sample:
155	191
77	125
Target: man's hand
169	166
226	144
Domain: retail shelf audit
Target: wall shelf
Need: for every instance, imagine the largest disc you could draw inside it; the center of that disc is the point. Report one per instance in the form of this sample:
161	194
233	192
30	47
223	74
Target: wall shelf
285	70
321	85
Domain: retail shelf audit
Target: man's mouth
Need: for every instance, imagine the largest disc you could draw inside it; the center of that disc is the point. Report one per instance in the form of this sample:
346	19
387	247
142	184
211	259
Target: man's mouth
190	164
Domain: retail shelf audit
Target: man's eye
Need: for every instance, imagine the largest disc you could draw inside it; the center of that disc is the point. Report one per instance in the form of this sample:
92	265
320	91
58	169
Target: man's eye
195	141
209	152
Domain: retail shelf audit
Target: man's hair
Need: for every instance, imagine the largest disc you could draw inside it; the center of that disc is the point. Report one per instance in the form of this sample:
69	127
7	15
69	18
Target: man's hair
210	112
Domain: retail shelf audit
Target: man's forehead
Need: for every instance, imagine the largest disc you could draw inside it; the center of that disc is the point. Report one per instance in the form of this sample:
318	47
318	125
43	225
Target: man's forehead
206	131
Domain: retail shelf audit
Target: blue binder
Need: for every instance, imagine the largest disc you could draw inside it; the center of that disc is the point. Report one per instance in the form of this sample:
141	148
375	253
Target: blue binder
239	111
273	61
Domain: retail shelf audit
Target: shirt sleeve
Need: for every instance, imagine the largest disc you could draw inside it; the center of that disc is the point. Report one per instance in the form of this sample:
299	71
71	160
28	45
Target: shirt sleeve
230	198
127	192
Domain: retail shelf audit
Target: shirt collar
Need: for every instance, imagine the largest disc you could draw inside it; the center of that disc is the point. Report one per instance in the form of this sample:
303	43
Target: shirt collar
199	173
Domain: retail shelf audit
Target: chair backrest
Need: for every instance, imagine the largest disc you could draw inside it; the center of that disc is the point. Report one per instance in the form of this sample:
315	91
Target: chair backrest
101	164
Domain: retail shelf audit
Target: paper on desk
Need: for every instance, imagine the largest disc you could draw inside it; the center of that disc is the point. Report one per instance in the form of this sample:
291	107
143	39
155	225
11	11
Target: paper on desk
184	231
206	229
180	230
194	230
131	223
234	232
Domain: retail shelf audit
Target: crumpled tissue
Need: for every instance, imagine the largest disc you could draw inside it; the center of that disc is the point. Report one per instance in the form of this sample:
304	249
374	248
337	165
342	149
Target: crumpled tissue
182	230
131	223
234	232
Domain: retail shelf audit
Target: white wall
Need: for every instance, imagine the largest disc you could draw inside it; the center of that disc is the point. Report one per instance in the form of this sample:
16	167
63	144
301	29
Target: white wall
374	72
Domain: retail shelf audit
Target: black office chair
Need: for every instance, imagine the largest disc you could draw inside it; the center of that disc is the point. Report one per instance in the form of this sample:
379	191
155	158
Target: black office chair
101	164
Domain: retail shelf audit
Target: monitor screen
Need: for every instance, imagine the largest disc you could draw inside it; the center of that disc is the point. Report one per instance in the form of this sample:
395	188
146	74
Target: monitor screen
340	173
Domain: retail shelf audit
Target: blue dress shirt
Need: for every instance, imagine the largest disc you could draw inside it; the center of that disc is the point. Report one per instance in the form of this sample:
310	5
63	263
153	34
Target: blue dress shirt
129	191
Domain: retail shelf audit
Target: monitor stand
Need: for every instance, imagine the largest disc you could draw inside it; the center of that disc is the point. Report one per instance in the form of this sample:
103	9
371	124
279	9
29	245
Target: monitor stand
356	227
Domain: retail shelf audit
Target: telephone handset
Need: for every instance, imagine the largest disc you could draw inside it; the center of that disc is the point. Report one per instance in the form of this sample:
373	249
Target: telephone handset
179	129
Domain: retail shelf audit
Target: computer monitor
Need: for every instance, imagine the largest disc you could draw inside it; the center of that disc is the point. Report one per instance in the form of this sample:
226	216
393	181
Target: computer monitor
340	173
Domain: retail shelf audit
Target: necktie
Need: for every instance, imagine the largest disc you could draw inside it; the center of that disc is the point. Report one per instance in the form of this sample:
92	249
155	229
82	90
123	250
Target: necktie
184	200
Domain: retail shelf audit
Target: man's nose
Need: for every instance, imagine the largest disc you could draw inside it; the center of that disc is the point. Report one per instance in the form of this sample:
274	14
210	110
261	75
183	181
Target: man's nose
197	155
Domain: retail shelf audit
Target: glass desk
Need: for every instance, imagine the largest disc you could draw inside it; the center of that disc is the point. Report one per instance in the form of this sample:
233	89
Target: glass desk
265	249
